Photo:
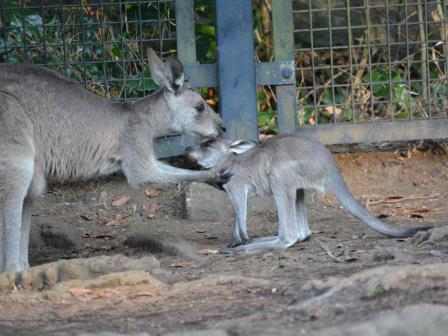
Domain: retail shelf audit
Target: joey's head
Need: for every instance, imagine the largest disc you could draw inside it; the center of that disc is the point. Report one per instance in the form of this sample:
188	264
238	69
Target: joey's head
214	153
188	112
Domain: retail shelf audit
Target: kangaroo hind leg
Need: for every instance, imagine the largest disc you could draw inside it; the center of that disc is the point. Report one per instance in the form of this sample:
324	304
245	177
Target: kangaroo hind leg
302	221
14	185
288	230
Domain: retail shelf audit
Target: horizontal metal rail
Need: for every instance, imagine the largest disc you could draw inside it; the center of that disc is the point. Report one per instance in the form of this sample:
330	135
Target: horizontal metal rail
371	132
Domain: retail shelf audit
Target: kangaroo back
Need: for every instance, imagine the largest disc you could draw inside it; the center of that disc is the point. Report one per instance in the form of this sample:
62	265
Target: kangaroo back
340	190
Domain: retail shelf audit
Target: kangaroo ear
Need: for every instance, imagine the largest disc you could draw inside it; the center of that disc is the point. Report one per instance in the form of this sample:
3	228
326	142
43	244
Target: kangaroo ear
157	67
241	146
173	74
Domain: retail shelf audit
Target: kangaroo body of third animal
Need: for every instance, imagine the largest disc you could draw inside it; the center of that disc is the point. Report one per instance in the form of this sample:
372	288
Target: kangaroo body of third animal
51	129
283	166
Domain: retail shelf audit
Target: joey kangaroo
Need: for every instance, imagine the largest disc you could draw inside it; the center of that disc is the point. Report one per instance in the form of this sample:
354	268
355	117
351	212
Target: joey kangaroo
283	166
51	129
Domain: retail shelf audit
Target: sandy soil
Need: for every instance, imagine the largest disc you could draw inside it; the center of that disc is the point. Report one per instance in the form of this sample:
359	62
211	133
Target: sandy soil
265	294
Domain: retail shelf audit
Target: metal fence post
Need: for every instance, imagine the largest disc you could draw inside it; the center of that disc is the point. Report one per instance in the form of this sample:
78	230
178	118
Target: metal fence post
185	32
282	19
186	52
236	68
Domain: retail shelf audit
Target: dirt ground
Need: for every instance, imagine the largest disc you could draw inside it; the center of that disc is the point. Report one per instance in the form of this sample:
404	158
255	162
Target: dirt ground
321	283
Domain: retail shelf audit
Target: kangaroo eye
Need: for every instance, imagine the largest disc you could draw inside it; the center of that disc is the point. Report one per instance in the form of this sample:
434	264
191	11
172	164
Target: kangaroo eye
200	108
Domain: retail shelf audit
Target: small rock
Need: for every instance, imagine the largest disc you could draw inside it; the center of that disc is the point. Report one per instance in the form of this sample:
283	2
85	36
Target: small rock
437	235
48	275
129	278
417	320
208	251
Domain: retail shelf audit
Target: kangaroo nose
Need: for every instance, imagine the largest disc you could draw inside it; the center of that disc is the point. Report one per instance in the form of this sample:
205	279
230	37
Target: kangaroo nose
223	128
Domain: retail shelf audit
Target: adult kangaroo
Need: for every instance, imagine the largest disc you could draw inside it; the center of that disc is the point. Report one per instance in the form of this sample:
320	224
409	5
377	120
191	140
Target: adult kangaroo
51	129
283	166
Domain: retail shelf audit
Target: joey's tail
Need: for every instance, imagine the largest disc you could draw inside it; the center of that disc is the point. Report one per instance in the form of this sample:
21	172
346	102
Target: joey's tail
339	188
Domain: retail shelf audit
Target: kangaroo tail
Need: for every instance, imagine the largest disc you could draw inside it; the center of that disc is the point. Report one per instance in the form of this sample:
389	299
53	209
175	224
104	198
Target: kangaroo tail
339	188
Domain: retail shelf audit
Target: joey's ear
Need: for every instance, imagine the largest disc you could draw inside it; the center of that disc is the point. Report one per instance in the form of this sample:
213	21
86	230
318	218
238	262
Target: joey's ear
173	74
157	67
241	146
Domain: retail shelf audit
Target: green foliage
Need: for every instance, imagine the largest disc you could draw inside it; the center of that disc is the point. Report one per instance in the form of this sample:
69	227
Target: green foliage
379	290
205	31
267	117
102	47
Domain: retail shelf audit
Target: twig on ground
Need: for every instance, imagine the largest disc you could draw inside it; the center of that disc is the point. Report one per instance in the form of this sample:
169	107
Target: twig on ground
331	254
397	199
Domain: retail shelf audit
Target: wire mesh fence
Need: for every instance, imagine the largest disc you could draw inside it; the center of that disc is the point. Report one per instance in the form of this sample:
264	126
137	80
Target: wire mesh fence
367	60
98	43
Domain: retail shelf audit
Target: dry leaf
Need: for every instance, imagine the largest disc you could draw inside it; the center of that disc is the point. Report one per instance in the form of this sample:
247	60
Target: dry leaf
207	251
152	192
116	222
120	201
79	291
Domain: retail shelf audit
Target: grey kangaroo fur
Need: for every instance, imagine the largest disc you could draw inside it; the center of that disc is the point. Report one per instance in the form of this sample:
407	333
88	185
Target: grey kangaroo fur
51	129
283	166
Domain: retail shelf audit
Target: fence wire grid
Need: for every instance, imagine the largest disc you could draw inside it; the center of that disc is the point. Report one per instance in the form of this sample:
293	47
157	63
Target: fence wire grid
369	60
100	44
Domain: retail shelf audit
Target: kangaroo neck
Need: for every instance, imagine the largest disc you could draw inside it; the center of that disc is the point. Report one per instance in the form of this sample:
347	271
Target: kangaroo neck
155	111
228	163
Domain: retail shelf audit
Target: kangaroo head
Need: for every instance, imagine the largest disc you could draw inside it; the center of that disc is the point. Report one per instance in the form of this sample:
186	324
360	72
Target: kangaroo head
188	112
213	153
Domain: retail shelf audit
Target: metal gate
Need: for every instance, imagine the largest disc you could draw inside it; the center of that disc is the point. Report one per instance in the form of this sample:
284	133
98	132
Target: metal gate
335	78
344	71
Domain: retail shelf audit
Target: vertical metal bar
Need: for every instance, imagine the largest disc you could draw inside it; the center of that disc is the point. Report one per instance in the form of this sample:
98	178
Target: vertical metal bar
408	59
123	66
4	35
64	51
428	72
313	70
236	68
282	20
369	51
350	58
160	28
390	108
103	47
330	41
44	36
423	52
25	54
445	37
142	52
185	31
83	41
